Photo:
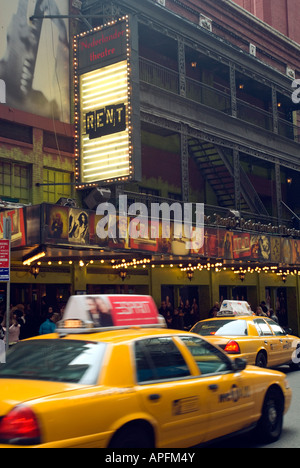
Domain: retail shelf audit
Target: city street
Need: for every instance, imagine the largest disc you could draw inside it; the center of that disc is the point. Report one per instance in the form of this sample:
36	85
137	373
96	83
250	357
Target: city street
290	437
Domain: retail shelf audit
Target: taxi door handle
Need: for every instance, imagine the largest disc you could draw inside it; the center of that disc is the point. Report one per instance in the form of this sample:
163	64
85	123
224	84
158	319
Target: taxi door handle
213	387
154	397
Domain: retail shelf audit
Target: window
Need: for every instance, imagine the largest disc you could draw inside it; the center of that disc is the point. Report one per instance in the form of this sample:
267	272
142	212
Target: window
262	327
54	361
277	330
175	196
159	359
15	182
149	191
58	142
222	328
14	131
210	360
53	192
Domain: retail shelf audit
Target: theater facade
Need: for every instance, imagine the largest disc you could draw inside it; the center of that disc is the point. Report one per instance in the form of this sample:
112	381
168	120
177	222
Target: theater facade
168	103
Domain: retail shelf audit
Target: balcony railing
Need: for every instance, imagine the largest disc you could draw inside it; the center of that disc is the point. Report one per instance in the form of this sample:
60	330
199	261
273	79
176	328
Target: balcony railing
165	78
208	95
159	76
211	211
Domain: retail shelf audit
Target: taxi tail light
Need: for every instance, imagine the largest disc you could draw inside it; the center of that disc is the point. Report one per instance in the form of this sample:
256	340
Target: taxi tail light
20	427
232	347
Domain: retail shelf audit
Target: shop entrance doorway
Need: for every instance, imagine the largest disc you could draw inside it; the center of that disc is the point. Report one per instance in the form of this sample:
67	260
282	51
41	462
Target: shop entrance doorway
181	295
283	301
239	293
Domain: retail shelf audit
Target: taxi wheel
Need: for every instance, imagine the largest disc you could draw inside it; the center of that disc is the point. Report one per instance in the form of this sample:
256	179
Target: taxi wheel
261	360
133	436
270	425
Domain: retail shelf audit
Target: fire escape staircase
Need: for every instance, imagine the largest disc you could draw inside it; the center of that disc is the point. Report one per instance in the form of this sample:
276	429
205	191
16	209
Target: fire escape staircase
217	169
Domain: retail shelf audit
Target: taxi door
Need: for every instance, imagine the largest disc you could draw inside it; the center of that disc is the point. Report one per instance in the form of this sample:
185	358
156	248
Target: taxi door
226	391
285	342
169	393
231	404
270	342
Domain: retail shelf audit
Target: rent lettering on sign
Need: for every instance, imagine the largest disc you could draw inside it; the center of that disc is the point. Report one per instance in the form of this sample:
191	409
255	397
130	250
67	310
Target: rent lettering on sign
106	124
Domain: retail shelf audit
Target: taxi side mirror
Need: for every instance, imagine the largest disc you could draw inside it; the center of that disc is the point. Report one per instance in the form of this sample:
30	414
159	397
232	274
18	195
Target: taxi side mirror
239	364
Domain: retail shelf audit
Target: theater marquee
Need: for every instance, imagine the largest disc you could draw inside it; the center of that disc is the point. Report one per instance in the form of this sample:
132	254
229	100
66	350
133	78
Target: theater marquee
107	105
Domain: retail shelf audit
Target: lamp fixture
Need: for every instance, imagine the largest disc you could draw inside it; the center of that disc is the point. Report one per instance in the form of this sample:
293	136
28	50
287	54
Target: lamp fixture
242	275
123	274
284	277
34	270
190	274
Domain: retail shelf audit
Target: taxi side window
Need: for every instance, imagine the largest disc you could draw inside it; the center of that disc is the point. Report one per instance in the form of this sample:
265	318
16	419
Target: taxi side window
208	358
159	359
262	327
278	331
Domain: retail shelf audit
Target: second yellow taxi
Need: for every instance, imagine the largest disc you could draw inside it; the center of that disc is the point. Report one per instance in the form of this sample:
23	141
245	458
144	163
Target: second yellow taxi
259	340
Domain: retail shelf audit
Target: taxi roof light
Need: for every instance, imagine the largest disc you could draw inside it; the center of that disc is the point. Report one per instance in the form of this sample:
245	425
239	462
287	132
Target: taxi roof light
234	309
75	323
98	313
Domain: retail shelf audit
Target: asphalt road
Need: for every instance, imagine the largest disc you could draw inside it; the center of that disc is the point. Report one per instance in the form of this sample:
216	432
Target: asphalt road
290	437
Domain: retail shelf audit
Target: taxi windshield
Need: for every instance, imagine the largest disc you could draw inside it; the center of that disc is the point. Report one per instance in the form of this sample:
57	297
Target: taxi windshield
69	361
221	327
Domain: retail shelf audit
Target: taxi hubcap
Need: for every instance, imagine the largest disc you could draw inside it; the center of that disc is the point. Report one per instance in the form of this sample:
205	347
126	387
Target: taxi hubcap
272	415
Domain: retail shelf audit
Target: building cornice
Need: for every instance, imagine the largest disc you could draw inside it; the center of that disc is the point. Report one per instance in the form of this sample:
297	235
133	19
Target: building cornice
169	22
260	23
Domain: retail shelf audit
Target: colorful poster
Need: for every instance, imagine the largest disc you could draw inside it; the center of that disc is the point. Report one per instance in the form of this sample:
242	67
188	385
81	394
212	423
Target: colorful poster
140	233
16	215
260	248
79	226
56	224
241	245
225	245
275	249
296	251
211	242
286	251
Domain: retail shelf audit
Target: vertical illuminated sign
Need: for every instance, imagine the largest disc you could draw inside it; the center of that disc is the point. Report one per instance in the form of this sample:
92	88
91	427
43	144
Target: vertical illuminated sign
107	129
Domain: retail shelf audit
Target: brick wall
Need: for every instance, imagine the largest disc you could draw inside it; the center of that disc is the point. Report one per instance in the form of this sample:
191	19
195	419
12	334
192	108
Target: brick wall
238	27
283	15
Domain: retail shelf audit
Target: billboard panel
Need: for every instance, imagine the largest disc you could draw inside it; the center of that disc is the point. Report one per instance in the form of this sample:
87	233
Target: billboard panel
34	57
107	127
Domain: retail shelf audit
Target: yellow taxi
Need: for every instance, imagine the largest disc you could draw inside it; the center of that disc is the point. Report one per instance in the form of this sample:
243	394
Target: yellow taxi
112	377
258	340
